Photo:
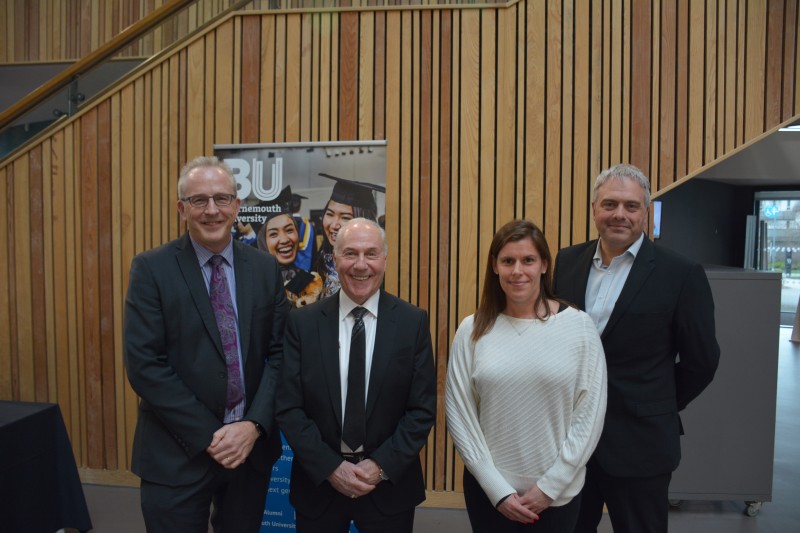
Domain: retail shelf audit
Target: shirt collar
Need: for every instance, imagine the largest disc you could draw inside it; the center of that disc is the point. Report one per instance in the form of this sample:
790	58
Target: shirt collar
632	250
346	304
204	254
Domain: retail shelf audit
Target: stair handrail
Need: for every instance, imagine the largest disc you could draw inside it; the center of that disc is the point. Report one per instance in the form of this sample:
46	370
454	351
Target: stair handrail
91	60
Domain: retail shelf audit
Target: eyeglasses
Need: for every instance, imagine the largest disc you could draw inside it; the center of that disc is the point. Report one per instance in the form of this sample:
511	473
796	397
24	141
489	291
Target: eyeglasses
201	200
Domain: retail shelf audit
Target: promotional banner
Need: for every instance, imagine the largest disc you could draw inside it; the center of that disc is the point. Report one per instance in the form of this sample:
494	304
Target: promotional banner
294	199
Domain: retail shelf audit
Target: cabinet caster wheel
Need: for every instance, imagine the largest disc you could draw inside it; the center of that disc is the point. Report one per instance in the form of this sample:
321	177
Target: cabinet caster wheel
752	508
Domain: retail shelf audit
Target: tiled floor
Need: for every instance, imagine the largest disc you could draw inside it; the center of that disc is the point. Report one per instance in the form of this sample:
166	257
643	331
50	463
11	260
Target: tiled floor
116	510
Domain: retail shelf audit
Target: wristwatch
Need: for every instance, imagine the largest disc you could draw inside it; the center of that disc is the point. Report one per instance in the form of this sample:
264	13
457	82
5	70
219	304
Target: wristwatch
258	428
383	475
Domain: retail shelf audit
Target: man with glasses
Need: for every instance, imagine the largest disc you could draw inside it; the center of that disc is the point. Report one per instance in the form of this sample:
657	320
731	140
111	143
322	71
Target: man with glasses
204	318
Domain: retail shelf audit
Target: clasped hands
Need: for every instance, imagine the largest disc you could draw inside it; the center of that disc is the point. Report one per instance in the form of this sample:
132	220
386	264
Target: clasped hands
356	480
525	508
232	443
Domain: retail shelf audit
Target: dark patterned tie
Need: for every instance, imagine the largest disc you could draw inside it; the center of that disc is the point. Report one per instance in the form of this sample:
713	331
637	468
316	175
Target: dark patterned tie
355	424
226	322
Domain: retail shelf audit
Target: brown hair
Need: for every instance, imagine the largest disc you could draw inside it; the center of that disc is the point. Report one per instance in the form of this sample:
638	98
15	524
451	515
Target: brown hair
493	299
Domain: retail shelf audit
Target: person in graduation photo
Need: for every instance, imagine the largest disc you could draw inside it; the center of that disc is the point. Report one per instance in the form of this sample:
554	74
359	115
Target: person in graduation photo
349	199
280	237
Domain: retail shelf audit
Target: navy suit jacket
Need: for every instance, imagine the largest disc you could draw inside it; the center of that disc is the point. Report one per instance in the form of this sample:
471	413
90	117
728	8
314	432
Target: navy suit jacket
401	403
176	364
665	310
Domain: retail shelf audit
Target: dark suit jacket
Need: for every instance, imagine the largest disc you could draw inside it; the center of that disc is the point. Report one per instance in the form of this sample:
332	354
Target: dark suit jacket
401	403
665	309
175	361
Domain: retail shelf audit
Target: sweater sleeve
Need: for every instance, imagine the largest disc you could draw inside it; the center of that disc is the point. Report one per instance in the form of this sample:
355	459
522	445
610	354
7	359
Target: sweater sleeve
587	418
461	403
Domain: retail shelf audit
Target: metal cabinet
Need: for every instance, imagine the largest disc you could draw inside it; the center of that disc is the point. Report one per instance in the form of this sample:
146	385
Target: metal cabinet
729	442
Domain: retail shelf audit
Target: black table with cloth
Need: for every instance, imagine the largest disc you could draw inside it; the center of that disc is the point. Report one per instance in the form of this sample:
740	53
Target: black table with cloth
40	490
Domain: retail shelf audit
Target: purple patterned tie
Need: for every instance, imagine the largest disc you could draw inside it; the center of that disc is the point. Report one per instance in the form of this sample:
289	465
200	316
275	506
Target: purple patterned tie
226	322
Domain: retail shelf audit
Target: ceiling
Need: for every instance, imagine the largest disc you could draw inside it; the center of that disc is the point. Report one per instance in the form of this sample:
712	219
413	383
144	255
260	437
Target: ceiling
771	162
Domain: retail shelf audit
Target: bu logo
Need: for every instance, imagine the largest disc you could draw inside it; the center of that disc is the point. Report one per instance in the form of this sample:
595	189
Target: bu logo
250	178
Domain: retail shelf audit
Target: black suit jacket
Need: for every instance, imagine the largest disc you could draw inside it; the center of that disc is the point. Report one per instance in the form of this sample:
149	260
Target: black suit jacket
176	364
665	310
401	403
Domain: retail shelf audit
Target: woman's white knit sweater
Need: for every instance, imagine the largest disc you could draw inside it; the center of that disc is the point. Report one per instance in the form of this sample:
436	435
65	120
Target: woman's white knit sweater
525	404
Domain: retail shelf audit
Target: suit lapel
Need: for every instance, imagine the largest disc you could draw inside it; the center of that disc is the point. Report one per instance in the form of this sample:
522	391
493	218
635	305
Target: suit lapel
244	296
382	352
329	348
193	276
584	266
642	267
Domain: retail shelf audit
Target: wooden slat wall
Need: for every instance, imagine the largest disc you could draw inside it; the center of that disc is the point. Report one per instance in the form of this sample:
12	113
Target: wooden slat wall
489	113
46	31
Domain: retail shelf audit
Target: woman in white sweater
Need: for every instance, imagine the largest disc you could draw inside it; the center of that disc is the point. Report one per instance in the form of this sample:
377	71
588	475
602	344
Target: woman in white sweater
526	393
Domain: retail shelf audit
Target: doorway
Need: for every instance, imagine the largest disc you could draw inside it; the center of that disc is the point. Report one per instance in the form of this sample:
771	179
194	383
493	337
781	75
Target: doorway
778	244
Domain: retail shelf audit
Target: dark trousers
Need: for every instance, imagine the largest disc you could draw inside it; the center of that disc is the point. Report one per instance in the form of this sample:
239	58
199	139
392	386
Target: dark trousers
238	498
362	511
635	505
484	518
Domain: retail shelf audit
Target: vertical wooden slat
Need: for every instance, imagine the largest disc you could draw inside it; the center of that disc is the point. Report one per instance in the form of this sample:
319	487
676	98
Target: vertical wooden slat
251	74
615	74
443	270
469	259
682	91
379	77
195	99
731	78
567	117
268	80
47	278
348	76
755	68
552	130
366	73
292	73
641	69
506	178
127	236
422	235
625	134
393	126
22	311
454	464
710	91
221	130
581	173
789	43
59	304
90	295
306	64
7	346
105	319
485	203
722	38
696	80
535	107
36	236
774	63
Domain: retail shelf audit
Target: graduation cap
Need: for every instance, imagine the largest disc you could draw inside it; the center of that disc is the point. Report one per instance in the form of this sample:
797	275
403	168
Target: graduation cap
354	193
297	199
280	205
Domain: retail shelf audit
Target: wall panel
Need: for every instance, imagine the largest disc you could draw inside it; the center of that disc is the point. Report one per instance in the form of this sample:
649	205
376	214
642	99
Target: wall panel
489	111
